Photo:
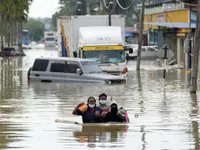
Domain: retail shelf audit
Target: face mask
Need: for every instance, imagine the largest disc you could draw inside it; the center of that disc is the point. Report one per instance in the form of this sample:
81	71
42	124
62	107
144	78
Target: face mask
103	102
91	105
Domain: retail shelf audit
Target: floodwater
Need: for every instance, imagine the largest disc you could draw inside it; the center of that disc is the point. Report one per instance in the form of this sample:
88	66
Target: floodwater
163	114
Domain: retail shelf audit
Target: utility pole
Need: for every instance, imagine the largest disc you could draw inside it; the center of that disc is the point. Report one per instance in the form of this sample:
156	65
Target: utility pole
190	41
140	41
194	75
87	8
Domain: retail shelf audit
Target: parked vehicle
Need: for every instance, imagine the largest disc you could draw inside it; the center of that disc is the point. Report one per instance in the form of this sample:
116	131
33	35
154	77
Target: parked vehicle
13	51
50	39
67	69
147	52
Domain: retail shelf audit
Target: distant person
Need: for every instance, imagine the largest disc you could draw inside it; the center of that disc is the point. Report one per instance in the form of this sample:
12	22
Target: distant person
90	112
103	103
113	115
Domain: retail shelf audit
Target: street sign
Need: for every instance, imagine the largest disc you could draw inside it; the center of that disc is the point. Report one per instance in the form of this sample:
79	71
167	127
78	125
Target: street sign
165	52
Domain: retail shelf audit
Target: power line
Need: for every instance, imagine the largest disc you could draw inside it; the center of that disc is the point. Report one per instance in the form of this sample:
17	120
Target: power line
123	7
107	7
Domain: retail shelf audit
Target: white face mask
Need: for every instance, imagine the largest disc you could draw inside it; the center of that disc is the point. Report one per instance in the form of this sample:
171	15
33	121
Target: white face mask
103	102
91	105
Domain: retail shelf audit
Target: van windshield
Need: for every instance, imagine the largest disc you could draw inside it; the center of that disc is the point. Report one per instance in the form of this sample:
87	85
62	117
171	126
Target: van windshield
50	39
90	67
105	56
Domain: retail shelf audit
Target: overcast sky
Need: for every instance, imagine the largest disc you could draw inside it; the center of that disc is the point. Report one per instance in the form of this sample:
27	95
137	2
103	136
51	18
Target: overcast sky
43	8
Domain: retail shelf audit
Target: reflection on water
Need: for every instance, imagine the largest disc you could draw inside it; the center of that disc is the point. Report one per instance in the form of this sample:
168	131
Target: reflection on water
101	134
162	112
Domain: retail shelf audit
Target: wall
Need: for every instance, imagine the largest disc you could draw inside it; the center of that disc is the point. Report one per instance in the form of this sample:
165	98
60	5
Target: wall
170	16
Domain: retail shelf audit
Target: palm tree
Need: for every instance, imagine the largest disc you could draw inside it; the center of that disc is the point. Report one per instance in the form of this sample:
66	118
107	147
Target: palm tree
12	13
21	15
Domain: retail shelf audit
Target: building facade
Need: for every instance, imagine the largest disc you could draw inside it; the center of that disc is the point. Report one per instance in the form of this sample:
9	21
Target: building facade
170	23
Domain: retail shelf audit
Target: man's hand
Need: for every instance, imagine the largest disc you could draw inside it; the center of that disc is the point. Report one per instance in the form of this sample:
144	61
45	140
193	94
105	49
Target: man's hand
80	104
97	114
103	114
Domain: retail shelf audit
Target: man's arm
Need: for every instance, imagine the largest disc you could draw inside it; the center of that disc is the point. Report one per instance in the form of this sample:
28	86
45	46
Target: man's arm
76	111
100	114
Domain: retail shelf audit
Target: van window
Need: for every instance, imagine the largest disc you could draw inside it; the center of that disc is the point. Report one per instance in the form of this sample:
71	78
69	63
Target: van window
58	67
40	65
151	49
72	67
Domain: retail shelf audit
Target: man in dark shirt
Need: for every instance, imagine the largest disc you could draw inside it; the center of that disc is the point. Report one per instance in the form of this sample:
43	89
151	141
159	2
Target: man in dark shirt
92	114
113	116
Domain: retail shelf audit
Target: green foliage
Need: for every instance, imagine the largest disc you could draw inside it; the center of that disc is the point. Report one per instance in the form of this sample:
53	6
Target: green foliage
35	28
69	7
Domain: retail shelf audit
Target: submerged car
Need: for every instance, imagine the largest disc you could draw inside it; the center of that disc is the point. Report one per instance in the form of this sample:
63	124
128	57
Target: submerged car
70	70
12	51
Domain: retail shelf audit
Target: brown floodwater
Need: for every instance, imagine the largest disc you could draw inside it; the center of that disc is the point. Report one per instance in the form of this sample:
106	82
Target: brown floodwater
163	114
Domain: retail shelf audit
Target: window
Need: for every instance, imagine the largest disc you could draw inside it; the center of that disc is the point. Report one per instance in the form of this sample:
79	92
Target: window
72	67
151	49
8	49
90	67
40	65
58	67
50	39
143	49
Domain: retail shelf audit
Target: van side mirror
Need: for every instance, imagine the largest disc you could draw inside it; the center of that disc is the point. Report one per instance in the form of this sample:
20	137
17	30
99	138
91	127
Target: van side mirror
75	54
130	50
78	71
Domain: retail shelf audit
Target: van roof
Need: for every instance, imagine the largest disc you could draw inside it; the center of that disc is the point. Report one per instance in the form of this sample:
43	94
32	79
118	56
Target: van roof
65	58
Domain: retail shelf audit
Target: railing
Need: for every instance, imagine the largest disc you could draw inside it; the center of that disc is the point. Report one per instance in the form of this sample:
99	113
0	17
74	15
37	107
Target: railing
165	7
65	46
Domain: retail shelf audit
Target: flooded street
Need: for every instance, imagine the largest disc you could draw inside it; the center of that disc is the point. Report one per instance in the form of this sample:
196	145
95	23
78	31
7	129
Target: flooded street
163	114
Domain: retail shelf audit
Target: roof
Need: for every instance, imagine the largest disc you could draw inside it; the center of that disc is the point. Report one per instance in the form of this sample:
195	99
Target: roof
100	35
64	58
157	2
172	24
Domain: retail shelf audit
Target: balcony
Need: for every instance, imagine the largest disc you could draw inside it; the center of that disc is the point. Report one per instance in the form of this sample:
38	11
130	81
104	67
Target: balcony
164	7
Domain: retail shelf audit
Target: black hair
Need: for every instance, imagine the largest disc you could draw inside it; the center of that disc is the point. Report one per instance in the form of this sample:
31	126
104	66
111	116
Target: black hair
114	104
103	94
90	98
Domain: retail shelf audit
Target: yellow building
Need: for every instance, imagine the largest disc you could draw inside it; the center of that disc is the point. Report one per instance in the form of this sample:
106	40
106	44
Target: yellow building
170	27
175	16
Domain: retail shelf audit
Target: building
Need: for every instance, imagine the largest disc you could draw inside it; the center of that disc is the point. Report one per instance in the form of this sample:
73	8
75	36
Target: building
170	22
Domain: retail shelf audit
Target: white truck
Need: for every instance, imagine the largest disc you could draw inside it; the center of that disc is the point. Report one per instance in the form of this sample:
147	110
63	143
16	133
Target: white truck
50	38
92	37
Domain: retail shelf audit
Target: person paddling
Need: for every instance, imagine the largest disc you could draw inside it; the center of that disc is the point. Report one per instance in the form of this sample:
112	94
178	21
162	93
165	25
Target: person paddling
91	113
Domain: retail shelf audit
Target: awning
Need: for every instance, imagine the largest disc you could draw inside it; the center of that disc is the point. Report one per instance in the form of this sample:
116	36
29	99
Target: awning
172	24
128	34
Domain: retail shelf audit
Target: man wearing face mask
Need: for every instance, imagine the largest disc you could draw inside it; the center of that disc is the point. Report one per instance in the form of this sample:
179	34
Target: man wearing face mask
113	115
102	103
92	114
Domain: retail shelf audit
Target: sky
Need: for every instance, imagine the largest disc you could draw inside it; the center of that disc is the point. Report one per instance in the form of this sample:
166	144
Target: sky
43	8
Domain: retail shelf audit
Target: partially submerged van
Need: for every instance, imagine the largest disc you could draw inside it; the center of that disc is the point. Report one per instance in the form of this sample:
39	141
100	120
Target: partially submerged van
66	69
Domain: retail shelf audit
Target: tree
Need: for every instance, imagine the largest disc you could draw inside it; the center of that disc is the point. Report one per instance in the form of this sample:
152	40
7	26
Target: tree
13	13
70	7
35	28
